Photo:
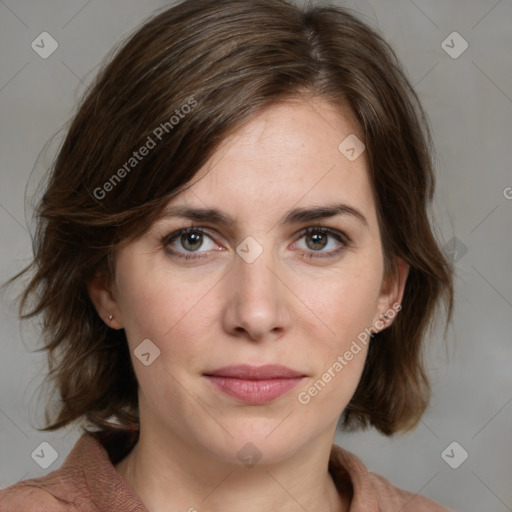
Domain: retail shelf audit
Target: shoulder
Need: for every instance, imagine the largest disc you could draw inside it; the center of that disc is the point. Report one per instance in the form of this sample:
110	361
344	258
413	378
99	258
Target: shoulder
36	495
61	490
86	481
371	491
394	498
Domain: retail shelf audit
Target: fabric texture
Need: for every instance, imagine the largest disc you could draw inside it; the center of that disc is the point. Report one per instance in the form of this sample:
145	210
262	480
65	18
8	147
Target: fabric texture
87	481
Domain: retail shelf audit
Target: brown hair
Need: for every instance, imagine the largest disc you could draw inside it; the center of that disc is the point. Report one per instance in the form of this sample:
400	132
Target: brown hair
186	79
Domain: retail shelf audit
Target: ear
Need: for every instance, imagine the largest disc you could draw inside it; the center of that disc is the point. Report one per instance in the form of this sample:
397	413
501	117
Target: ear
390	297
102	296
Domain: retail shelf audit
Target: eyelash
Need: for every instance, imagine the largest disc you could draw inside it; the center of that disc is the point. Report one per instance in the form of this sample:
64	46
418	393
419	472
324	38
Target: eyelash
338	235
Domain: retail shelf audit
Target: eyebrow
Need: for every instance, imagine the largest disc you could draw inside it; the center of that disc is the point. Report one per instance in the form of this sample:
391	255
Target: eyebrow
294	216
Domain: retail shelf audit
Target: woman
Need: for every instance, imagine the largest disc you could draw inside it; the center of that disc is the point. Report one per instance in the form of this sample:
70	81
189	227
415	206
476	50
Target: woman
234	256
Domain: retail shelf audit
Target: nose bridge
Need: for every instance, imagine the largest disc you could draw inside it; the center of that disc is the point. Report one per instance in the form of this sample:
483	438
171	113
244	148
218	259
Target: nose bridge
253	265
254	298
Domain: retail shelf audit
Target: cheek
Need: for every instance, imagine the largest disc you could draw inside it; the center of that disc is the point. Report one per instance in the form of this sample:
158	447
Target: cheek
343	303
157	300
346	309
168	309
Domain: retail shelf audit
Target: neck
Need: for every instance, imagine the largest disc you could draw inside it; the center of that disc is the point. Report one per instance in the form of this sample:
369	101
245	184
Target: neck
167	474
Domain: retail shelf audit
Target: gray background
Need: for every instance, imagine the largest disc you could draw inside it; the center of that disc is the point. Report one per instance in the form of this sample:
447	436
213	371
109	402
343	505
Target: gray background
469	102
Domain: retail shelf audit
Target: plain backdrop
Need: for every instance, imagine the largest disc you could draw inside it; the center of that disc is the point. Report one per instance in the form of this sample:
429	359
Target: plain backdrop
468	98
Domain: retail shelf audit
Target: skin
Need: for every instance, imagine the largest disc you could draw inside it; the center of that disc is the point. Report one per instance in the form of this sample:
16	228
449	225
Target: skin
286	307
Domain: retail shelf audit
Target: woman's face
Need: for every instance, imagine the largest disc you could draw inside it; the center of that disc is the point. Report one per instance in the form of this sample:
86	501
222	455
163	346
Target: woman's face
258	290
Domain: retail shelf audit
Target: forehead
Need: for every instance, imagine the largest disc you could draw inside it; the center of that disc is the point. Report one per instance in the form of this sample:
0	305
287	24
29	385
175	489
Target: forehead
288	154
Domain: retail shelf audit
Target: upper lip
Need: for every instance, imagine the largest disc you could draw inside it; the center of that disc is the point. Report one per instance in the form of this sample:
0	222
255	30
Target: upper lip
249	372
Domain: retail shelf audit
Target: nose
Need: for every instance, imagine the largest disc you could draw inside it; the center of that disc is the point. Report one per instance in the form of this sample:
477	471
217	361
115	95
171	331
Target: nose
255	306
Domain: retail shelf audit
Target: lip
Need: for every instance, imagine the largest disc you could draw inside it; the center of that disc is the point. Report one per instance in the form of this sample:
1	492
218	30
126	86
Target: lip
249	372
255	384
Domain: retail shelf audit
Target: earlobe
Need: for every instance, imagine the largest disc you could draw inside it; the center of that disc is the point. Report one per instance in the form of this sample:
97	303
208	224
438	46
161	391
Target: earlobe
104	301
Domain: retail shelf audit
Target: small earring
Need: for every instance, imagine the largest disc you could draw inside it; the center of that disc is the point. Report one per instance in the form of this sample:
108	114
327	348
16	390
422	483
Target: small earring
110	318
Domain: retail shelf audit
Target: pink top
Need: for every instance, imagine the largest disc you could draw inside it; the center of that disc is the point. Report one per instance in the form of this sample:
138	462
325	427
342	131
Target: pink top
88	482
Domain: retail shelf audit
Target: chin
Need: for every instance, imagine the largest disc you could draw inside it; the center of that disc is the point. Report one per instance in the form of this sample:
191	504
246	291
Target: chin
256	440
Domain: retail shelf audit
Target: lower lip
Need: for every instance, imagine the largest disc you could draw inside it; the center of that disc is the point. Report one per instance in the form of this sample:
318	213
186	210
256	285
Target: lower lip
254	391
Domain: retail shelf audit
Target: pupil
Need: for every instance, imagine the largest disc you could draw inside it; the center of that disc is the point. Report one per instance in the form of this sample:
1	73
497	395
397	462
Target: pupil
195	238
315	237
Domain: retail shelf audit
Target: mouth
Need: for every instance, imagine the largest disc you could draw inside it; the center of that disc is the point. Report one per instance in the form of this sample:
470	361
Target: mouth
254	385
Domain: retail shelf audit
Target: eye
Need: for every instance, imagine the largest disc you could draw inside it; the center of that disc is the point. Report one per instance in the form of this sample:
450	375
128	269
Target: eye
188	240
318	238
186	243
